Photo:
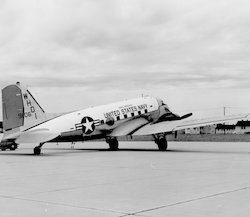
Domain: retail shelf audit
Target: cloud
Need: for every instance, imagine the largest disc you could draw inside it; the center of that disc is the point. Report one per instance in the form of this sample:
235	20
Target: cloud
136	45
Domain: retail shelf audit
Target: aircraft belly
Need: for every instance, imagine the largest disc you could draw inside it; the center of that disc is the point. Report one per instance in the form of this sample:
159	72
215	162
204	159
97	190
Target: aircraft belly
79	133
85	132
104	129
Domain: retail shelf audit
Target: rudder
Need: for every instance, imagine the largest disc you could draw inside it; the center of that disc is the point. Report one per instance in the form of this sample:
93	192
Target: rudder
20	109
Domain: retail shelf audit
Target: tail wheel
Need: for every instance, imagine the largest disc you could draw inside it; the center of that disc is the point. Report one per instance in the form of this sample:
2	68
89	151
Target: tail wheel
37	150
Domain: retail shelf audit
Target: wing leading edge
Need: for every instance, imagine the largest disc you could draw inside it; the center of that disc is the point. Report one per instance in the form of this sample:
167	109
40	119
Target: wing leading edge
169	126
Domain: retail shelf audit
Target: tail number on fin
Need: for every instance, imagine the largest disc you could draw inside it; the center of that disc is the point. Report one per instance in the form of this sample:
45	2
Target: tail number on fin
28	109
25	114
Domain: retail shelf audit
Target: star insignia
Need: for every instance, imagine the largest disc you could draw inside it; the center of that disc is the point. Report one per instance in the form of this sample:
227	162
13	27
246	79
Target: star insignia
87	125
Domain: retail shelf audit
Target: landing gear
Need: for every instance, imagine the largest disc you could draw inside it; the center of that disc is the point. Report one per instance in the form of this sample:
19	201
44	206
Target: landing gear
37	149
161	141
113	144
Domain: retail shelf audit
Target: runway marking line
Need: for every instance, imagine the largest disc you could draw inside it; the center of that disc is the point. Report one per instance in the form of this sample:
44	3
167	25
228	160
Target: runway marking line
191	200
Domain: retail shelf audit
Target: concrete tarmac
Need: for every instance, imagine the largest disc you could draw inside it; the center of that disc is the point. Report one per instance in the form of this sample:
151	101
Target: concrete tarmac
191	179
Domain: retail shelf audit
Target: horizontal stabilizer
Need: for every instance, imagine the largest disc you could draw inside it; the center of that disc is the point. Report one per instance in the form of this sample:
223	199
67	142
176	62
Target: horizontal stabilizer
169	126
37	136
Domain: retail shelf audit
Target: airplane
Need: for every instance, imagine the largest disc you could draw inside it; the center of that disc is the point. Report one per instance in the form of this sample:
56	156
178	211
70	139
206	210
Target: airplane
24	121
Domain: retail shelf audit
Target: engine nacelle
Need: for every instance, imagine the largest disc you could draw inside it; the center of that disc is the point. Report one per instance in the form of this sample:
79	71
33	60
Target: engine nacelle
110	121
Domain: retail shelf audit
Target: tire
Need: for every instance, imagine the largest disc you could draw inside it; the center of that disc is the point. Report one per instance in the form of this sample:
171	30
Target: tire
37	151
113	144
162	144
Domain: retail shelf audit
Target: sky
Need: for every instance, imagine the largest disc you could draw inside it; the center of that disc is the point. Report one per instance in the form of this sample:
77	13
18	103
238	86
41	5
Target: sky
74	54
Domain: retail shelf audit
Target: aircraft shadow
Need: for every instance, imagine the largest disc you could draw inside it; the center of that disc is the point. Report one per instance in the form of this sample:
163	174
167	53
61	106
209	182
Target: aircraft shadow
207	151
63	151
167	151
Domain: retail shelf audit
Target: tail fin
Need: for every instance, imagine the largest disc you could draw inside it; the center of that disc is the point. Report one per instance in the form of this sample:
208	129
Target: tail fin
20	109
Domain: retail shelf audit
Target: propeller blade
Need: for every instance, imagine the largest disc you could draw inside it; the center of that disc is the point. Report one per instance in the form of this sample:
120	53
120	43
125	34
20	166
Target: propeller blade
186	116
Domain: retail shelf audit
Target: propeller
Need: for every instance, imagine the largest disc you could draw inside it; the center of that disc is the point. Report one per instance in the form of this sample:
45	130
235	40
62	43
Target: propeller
186	116
172	117
182	117
175	117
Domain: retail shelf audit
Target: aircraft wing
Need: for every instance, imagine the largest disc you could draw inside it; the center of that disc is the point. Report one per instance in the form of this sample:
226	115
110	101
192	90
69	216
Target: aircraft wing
37	136
169	126
129	127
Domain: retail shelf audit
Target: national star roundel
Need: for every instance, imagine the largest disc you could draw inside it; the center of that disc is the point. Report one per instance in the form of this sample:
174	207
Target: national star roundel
88	125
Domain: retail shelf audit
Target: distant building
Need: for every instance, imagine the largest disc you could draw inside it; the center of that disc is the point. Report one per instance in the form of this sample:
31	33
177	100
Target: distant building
181	132
225	129
209	129
195	130
242	127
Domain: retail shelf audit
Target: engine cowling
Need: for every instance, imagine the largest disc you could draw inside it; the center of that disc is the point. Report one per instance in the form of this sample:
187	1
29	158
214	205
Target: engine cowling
110	121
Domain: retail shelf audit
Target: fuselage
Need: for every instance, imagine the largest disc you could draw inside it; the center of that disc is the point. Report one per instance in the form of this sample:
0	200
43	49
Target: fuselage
99	121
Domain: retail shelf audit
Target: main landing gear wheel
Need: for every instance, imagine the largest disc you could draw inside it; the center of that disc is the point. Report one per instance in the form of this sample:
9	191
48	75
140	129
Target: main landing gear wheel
37	149
113	144
162	143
